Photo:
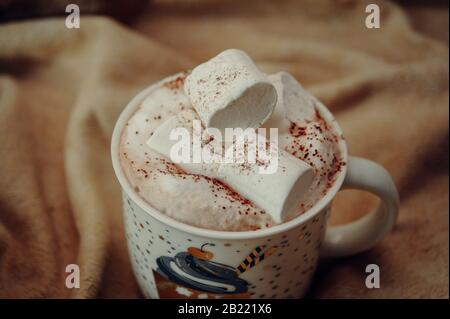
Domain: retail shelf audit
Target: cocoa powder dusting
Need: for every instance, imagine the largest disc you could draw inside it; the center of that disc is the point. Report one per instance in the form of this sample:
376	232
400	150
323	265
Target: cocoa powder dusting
176	83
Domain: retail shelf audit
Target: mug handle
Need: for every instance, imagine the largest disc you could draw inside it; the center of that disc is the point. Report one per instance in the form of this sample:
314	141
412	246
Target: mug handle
364	233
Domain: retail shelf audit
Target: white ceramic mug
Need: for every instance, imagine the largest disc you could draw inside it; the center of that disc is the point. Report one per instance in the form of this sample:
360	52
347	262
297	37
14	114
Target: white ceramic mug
175	260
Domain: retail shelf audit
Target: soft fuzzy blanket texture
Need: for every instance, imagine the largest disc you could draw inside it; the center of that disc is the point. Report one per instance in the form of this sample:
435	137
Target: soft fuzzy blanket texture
61	91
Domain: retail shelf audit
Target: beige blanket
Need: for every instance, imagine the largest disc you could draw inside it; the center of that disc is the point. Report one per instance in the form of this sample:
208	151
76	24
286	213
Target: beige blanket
61	91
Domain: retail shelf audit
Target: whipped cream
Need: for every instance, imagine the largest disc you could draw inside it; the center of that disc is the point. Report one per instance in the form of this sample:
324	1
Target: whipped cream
206	202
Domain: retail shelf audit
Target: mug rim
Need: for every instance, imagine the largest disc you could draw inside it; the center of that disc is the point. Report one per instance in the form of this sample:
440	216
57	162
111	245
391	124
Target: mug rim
131	107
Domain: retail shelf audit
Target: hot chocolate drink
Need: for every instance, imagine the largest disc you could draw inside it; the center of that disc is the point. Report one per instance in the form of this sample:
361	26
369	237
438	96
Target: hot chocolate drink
306	141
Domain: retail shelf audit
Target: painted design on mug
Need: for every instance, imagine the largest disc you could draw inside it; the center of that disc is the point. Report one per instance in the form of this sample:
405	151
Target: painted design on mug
195	273
255	257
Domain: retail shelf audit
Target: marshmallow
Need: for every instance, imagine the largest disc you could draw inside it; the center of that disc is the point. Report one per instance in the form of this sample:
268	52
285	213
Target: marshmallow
299	106
276	182
162	143
230	91
278	193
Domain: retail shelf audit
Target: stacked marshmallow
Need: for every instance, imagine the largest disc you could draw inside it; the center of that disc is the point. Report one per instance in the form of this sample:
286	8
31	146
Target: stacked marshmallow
229	91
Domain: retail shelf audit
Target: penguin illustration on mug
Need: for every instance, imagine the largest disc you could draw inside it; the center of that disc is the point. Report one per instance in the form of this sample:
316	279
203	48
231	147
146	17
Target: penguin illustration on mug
195	269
